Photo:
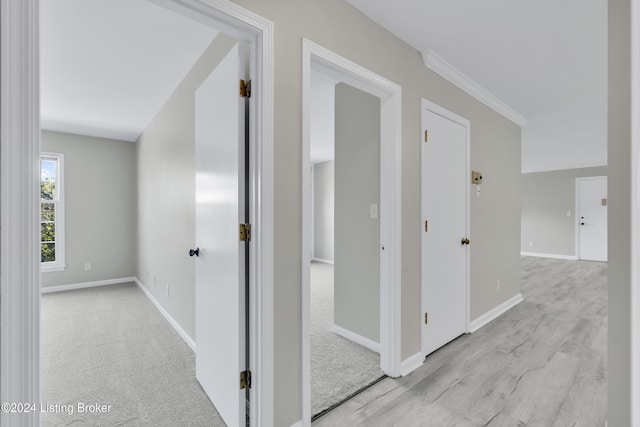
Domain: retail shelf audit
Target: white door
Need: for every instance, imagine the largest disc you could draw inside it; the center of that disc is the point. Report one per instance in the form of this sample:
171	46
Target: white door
444	199
220	265
592	218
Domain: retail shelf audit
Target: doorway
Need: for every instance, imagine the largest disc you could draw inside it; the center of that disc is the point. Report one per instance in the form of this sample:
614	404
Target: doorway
445	235
355	77
23	334
591	214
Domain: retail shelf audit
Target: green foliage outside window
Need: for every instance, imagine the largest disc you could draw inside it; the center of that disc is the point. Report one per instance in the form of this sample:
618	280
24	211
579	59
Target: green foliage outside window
47	218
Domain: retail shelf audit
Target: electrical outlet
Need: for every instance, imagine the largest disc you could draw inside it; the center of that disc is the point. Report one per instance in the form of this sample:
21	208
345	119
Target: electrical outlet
498	285
87	266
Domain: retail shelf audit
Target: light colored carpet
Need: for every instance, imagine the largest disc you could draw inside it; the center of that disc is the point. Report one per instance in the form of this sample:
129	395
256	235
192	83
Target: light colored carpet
339	367
111	346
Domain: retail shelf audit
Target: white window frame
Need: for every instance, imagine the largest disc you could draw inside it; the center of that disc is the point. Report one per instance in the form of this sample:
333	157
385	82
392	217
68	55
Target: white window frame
58	201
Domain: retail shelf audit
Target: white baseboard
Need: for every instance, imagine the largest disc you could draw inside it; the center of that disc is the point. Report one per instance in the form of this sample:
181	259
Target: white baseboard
51	289
297	424
496	312
356	338
411	364
324	261
555	256
187	339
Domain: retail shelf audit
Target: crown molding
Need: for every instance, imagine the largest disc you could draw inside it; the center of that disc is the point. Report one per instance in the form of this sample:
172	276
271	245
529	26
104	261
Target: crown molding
435	63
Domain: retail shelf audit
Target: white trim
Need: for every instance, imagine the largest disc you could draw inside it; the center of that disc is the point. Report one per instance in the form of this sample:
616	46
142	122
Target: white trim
635	212
187	339
324	261
576	209
20	143
437	64
543	255
83	285
297	424
425	104
412	363
52	268
356	338
495	312
20	209
390	203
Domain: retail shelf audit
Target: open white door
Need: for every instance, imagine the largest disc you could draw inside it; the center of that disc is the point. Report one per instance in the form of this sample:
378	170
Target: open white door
444	199
592	218
221	262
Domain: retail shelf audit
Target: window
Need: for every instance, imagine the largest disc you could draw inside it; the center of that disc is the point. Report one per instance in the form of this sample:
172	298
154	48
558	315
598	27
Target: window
51	212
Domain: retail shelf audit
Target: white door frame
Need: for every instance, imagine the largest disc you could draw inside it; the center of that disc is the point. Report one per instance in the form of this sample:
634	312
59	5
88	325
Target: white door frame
441	111
390	94
19	211
576	209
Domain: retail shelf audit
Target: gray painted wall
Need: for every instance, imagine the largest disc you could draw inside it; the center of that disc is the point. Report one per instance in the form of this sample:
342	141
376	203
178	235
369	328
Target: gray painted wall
546	198
357	236
100	208
323	210
619	214
495	150
166	194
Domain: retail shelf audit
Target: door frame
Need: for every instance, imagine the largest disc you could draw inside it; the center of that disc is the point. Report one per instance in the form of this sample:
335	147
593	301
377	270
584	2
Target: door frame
19	210
425	104
390	94
577	209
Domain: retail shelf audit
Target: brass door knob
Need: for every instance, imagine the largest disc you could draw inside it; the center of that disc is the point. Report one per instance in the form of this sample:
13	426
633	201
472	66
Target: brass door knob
464	241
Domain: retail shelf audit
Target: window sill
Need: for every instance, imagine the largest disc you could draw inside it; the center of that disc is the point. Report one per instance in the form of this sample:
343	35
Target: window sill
51	269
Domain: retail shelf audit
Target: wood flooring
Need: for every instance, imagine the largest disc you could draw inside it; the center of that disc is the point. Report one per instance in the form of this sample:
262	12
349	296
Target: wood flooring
543	363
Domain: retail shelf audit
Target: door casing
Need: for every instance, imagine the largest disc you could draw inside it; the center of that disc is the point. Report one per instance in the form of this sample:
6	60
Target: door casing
20	151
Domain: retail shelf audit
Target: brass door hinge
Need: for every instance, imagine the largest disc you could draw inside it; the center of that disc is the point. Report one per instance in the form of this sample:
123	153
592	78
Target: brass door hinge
426	318
245	232
245	379
426	226
426	135
245	89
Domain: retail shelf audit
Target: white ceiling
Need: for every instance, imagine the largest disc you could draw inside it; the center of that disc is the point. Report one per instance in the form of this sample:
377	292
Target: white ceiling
108	66
545	59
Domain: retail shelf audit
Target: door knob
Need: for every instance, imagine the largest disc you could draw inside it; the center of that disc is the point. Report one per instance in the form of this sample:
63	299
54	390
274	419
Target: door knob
464	241
195	252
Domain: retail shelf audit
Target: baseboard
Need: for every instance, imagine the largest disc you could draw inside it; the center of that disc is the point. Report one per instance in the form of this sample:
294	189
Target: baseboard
358	339
83	285
496	312
555	256
187	339
411	364
297	424
324	261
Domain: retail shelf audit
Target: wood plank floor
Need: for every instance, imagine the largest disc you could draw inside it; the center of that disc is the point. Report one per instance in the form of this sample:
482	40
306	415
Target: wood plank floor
543	363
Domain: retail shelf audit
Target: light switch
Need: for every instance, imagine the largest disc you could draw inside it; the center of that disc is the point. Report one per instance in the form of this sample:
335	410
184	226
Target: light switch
568	213
373	211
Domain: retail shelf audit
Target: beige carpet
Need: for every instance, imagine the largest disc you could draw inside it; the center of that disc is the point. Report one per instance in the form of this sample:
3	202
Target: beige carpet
109	345
339	367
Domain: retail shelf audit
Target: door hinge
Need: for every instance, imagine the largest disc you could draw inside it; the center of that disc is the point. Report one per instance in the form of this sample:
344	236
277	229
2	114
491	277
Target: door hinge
426	226
426	318
426	135
245	379
245	232
245	89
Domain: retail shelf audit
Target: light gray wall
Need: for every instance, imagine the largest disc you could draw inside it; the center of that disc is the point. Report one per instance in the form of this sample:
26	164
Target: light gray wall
323	210
166	194
357	236
495	150
546	198
619	214
100	207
